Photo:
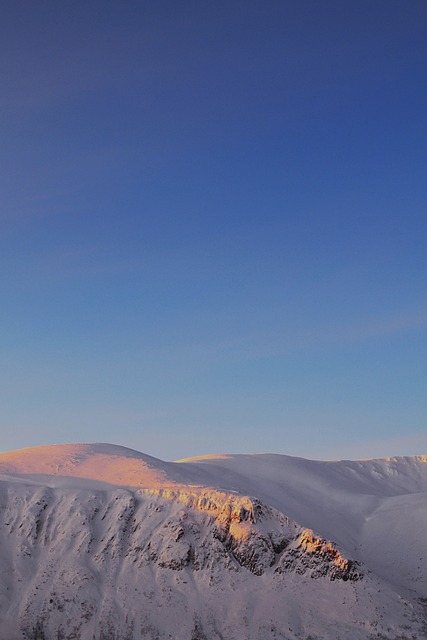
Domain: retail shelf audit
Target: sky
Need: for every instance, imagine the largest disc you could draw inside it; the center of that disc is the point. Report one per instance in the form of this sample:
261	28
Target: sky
213	226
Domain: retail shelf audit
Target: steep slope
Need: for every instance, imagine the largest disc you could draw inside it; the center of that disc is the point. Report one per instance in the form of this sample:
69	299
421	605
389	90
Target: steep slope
181	550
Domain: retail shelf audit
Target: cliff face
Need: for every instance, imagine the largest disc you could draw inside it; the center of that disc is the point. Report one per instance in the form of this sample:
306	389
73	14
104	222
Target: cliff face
177	563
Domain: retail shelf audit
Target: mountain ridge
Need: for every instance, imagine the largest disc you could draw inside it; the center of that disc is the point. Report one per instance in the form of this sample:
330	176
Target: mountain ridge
127	544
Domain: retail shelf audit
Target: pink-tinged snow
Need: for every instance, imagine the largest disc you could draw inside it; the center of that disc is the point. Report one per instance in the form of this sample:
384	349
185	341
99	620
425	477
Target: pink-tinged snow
112	464
115	541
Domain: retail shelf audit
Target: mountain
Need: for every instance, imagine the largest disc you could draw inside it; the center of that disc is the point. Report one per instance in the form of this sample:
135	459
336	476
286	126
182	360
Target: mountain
100	542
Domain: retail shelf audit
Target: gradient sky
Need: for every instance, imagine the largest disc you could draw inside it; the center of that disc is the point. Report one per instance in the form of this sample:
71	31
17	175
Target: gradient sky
213	226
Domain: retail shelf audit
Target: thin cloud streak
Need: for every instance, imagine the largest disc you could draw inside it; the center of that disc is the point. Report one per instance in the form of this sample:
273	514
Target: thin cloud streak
255	345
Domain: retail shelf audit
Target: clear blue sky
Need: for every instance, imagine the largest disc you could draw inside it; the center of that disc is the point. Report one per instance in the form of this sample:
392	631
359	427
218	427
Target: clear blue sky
213	226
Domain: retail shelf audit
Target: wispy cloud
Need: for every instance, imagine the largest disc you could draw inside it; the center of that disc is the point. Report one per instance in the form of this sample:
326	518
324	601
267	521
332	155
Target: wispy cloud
287	341
407	320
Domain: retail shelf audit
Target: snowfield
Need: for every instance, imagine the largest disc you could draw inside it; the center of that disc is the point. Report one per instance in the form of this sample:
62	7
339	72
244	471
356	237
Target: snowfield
100	542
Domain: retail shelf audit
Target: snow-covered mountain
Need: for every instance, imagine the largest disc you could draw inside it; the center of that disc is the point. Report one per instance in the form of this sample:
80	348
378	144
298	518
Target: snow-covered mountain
99	542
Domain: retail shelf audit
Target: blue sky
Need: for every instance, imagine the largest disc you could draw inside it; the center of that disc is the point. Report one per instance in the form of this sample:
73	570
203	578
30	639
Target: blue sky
213	226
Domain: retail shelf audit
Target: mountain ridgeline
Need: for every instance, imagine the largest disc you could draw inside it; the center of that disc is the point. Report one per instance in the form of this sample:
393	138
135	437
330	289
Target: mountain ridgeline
99	542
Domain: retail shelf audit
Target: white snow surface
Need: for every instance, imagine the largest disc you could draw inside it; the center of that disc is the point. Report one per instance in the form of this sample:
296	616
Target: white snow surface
100	542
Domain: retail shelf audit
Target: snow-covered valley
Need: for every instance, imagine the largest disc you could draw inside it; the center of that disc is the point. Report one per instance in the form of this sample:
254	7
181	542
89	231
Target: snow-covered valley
101	542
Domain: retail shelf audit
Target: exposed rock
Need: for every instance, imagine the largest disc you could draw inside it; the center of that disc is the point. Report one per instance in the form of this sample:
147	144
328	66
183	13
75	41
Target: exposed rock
319	557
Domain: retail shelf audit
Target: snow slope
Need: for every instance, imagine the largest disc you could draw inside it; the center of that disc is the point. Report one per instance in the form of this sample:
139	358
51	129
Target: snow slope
101	542
115	465
368	507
